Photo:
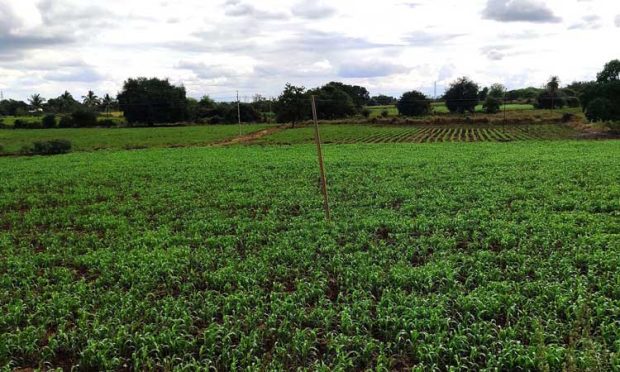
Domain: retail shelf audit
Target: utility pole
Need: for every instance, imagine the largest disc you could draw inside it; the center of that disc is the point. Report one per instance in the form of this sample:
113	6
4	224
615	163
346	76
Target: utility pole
317	138
239	112
435	92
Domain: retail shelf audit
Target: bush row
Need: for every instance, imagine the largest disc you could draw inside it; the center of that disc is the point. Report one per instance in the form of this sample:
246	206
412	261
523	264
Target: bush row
50	147
78	119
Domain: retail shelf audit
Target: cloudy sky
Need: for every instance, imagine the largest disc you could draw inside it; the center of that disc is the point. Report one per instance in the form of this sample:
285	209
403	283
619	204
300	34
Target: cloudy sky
216	47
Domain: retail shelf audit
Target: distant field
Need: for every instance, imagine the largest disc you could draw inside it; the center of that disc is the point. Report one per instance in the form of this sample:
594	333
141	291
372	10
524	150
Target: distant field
10	120
87	139
440	108
420	133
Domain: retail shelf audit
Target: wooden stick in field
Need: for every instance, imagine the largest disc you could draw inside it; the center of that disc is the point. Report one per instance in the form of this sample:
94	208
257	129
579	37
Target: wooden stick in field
317	139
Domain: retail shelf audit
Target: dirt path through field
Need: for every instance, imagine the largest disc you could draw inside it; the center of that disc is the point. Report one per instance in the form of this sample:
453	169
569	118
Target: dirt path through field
247	138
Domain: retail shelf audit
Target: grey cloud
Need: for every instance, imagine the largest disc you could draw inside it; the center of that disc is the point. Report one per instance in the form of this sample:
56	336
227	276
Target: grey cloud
236	8
312	9
370	69
204	71
293	70
495	55
13	43
79	74
318	41
422	38
519	11
495	52
74	18
618	20
589	22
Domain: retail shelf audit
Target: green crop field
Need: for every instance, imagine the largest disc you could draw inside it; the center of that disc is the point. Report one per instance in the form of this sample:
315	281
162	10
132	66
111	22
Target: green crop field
443	256
87	139
342	133
440	108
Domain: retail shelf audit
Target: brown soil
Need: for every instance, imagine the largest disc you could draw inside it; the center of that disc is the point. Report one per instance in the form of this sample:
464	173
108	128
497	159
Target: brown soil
251	137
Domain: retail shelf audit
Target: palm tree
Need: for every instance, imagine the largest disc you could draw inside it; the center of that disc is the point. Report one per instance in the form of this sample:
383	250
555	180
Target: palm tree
66	101
90	100
553	85
36	102
107	102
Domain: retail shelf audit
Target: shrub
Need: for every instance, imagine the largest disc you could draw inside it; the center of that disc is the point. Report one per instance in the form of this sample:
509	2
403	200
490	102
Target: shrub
66	122
106	123
216	120
599	109
366	113
51	147
84	118
413	103
550	100
24	124
19	124
26	150
385	113
567	117
49	121
492	105
573	102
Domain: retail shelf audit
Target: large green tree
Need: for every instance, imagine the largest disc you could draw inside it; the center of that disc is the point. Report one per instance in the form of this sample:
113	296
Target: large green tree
65	103
413	103
462	96
601	99
611	72
152	101
293	105
359	94
333	103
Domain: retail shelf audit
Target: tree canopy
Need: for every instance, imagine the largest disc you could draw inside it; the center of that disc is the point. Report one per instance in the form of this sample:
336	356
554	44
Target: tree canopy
151	101
293	105
462	96
413	103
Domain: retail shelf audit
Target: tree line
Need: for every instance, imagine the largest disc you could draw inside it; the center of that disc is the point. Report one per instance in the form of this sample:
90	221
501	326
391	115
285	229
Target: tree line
150	101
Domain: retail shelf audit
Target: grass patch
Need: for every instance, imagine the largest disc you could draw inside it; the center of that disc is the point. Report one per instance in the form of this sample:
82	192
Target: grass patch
88	139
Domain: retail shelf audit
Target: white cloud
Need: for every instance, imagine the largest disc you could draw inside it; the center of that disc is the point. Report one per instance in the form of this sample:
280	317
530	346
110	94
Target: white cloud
218	47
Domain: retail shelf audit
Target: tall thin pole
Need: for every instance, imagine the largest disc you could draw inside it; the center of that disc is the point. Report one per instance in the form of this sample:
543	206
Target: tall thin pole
239	112
317	138
504	126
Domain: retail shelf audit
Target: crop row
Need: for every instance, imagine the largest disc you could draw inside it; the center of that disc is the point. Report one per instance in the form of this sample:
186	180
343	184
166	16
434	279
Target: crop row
434	134
348	134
